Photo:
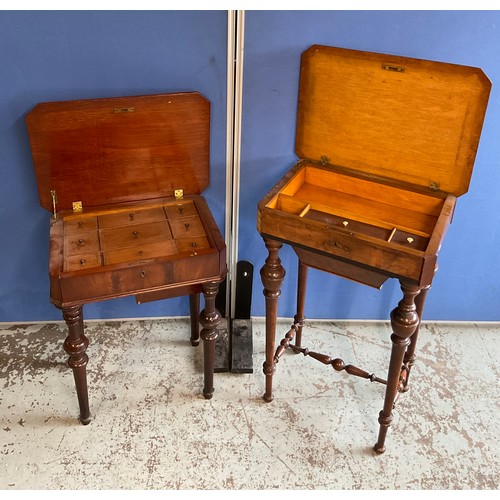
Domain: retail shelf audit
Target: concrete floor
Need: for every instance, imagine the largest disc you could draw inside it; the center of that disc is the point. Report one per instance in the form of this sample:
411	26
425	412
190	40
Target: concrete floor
152	429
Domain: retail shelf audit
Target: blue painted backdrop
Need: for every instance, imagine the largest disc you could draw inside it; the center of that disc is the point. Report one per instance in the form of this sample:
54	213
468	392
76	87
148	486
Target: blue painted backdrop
46	56
467	285
71	55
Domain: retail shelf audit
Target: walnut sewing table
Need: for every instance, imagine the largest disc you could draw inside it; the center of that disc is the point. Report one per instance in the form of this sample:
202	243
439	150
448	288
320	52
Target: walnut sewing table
385	144
122	177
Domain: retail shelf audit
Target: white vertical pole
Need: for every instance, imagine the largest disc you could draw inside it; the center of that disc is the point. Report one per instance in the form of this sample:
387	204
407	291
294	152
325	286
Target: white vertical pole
235	46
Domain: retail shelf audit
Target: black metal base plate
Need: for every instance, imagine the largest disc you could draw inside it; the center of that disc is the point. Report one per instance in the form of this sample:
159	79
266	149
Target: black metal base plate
242	346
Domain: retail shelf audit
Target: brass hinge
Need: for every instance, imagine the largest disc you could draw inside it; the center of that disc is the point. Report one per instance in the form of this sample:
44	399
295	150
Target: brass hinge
179	194
434	186
77	206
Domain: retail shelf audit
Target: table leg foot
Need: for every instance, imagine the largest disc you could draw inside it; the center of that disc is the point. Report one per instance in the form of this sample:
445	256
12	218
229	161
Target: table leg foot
209	319
404	322
272	275
76	345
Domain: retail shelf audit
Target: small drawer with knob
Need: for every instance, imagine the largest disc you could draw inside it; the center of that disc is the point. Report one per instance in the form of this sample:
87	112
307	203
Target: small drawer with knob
187	227
80	225
78	243
192	245
181	209
83	261
131	217
141	252
134	235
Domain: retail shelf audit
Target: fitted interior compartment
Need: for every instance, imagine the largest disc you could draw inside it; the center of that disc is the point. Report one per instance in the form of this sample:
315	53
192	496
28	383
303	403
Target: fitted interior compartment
126	234
361	206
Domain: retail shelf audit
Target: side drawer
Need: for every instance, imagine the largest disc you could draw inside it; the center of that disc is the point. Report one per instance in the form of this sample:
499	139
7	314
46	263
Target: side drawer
139	278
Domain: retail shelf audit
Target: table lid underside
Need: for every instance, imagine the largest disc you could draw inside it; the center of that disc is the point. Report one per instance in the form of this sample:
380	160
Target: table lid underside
403	119
121	149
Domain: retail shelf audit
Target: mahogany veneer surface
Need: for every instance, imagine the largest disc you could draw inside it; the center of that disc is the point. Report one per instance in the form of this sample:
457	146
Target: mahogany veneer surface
386	144
123	178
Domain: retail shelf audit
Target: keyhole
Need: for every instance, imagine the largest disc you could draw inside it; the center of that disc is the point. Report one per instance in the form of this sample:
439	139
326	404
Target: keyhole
143	274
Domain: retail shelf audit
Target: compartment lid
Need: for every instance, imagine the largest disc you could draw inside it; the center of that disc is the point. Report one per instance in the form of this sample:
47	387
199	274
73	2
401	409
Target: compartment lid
120	149
400	118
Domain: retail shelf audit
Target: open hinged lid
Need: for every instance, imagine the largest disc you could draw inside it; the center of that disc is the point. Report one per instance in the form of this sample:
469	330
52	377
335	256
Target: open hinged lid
394	117
121	149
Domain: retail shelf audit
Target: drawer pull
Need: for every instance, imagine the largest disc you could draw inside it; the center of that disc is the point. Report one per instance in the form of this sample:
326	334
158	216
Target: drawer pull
181	210
186	225
136	234
131	216
143	274
83	262
141	252
194	244
409	240
81	242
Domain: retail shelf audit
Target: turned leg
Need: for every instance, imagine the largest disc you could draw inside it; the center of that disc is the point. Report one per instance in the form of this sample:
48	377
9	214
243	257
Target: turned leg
209	319
409	358
194	311
75	345
272	275
301	298
404	322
